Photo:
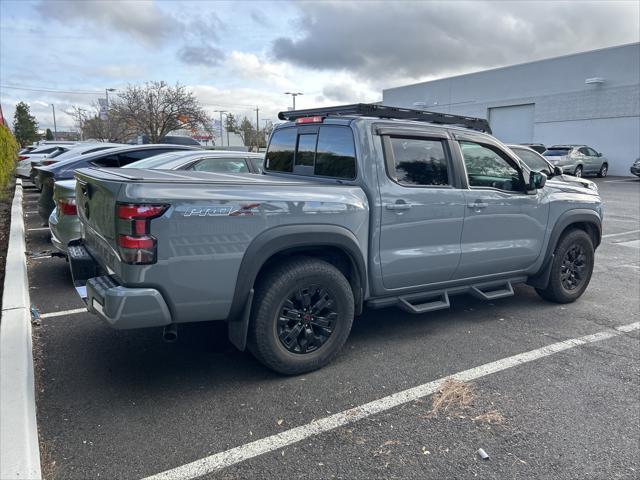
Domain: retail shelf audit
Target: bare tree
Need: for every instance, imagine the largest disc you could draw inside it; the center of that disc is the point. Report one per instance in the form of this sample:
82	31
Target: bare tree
92	126
155	109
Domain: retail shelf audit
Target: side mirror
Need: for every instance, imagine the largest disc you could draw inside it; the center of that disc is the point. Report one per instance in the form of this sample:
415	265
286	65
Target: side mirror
599	154
537	180
557	171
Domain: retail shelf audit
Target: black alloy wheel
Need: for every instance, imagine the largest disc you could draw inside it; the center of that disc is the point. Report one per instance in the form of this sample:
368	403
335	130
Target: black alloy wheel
572	270
307	319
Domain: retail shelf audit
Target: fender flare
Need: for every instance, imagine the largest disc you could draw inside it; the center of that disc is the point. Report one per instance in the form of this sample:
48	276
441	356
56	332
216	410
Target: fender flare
568	218
276	240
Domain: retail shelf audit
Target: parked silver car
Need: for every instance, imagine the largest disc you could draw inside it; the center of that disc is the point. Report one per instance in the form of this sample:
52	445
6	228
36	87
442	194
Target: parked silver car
578	160
538	163
64	223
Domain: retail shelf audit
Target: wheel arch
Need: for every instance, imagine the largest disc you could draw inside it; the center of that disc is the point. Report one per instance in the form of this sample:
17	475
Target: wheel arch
582	219
332	243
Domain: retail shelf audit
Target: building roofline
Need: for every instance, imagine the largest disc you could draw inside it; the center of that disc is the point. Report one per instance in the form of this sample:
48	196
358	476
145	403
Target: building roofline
451	77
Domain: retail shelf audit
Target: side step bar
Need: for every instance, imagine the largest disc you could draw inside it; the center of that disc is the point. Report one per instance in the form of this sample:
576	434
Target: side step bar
439	302
492	293
423	302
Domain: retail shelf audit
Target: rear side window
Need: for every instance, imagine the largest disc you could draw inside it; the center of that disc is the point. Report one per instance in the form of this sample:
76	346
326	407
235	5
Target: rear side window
328	152
129	157
106	161
220	165
419	161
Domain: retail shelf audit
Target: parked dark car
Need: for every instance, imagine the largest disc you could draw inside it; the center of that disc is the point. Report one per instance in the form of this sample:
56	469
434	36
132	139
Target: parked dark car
114	157
635	168
538	147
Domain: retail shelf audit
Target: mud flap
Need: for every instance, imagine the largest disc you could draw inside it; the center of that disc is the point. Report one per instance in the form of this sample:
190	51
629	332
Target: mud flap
239	327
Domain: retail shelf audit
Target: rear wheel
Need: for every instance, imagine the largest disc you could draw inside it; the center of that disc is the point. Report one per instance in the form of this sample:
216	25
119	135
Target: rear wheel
604	169
571	269
578	171
301	317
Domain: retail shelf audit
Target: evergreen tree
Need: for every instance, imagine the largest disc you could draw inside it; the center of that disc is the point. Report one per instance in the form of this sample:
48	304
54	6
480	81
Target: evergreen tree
48	135
25	127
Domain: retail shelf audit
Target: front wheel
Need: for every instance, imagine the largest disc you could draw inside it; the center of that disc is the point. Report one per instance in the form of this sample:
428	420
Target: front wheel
604	169
301	317
578	171
571	269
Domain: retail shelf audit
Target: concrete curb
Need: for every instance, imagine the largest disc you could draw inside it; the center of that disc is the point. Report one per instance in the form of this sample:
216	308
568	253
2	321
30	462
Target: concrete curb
19	448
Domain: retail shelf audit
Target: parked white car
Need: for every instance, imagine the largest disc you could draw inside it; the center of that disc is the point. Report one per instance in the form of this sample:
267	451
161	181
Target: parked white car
23	169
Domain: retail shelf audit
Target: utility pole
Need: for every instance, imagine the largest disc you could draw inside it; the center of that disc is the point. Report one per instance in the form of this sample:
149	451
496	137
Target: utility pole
55	128
221	138
106	91
257	130
294	95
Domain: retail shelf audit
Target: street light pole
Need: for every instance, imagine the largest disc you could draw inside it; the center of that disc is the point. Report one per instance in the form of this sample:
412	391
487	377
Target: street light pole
106	91
257	130
294	95
221	138
55	128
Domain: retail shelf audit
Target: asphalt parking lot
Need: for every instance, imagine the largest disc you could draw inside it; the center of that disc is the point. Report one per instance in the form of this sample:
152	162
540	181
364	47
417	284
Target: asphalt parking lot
123	404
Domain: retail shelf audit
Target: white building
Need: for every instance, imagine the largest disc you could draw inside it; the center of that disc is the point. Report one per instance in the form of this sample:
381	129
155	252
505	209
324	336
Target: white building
591	98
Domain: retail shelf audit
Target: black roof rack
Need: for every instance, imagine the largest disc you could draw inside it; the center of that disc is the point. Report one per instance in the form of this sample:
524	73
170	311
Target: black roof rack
383	111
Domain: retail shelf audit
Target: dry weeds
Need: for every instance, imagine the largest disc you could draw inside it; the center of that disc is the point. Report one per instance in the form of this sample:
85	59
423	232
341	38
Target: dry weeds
453	396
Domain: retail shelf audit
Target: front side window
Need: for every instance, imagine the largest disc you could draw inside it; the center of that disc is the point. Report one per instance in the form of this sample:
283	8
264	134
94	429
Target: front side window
488	168
532	160
419	162
336	153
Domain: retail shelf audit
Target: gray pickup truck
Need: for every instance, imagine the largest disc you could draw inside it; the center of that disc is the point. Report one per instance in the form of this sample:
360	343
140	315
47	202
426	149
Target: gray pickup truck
360	206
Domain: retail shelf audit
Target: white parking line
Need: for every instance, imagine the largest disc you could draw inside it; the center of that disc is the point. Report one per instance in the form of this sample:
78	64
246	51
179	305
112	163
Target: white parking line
37	229
63	313
619	234
29	213
239	454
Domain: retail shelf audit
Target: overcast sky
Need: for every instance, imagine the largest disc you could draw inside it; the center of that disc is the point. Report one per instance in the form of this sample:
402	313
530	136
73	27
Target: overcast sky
240	55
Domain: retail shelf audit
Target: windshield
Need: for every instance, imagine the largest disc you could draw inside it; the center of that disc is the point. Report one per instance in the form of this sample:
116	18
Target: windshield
557	152
156	161
534	161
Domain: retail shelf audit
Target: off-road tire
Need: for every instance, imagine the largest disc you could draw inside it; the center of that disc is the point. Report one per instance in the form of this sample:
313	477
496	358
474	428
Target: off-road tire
578	171
604	169
556	290
273	290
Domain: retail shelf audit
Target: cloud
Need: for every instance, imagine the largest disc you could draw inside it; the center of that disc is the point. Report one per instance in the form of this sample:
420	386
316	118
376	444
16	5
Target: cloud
429	39
206	55
260	18
249	66
142	20
120	71
347	93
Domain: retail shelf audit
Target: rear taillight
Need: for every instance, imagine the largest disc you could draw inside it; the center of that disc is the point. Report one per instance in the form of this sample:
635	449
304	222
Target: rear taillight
136	245
22	157
67	206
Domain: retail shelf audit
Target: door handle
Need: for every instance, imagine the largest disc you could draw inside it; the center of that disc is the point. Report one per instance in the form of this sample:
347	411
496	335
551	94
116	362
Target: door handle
478	205
398	206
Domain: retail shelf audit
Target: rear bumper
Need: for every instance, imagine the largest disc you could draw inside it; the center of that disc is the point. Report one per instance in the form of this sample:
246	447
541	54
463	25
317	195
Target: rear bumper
64	230
121	307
